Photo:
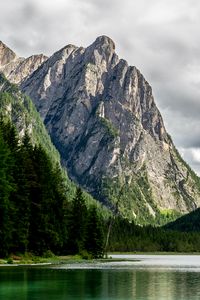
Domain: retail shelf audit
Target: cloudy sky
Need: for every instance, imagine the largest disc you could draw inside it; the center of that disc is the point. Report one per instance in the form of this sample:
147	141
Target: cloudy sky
160	37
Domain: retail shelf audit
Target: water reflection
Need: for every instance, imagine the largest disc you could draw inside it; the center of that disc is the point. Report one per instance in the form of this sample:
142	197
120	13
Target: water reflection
102	284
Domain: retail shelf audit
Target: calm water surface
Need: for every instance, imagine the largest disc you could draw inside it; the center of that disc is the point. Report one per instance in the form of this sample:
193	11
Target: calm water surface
151	278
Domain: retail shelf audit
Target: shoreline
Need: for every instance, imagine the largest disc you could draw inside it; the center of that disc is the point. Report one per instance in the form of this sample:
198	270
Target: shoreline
76	259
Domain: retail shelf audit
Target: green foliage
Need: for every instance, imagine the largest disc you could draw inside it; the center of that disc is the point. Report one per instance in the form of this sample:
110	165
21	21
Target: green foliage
111	130
94	234
36	212
6	186
48	254
10	260
85	255
187	223
19	109
85	235
31	196
126	236
136	199
77	217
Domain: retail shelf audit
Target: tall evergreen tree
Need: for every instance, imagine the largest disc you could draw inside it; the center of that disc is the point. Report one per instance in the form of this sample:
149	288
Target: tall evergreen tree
94	235
77	223
60	200
21	197
40	196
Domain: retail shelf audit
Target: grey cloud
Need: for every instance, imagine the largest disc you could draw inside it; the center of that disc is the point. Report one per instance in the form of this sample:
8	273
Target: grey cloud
192	156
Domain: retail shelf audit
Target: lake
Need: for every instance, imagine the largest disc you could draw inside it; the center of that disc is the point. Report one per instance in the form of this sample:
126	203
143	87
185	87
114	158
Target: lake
151	277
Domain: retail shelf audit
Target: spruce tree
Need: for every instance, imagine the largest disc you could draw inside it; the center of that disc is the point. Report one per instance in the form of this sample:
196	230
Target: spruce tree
77	221
94	234
40	195
21	197
60	200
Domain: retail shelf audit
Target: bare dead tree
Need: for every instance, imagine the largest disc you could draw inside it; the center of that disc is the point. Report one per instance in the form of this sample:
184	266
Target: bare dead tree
112	218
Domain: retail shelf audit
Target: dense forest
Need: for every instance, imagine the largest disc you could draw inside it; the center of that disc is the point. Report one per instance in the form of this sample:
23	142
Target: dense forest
130	237
187	223
38	214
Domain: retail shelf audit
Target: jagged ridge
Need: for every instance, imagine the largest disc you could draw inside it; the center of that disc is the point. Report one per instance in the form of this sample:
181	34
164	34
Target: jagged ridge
15	68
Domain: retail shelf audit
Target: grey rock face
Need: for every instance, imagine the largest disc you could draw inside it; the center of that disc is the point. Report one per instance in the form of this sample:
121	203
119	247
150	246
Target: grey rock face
101	115
24	68
15	68
6	54
47	83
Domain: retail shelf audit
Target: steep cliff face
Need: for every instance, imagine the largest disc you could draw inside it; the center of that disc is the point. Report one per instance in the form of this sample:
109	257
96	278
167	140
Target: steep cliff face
101	115
15	68
47	83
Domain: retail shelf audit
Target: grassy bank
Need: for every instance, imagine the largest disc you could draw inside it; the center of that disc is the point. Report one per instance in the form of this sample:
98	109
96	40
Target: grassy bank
30	259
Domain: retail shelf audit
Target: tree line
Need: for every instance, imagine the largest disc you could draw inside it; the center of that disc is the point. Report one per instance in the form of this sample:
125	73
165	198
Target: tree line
128	237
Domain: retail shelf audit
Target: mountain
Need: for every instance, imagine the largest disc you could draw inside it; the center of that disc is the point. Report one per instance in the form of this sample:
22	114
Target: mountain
187	223
101	116
6	55
19	109
15	68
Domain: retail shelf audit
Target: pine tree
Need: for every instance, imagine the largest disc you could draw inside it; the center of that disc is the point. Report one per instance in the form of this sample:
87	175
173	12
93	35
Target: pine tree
94	234
21	197
40	195
77	220
59	192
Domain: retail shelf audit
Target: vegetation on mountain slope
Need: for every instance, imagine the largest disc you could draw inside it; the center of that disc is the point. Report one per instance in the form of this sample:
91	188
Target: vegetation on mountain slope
187	223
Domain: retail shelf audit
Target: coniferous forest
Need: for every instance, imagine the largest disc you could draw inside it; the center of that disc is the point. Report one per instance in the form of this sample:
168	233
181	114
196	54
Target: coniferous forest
37	214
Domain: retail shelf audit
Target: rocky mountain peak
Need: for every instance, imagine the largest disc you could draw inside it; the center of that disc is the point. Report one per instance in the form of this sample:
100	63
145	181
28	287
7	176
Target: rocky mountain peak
63	53
24	68
101	50
104	41
6	54
15	68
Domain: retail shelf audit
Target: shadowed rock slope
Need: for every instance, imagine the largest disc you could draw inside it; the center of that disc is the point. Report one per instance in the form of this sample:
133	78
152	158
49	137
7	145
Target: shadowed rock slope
101	115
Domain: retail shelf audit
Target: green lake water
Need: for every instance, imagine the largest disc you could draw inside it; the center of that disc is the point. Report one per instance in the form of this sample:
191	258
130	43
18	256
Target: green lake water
149	279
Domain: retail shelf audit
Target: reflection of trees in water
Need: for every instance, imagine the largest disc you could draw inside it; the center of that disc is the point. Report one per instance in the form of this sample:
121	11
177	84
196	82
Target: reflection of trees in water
101	284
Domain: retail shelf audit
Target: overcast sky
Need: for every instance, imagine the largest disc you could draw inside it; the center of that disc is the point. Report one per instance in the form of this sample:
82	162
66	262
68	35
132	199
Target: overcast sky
159	37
